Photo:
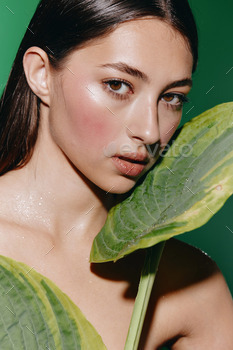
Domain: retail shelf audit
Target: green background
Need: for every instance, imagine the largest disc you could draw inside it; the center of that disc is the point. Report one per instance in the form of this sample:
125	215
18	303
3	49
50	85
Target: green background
215	69
213	84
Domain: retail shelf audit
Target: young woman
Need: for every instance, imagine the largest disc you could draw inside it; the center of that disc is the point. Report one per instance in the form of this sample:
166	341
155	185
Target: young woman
95	87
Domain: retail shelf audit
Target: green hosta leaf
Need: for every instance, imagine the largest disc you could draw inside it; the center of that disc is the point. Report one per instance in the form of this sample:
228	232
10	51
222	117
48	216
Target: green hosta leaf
36	314
183	192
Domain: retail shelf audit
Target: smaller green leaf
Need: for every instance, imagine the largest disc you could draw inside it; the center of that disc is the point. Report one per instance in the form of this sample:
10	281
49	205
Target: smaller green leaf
36	314
181	193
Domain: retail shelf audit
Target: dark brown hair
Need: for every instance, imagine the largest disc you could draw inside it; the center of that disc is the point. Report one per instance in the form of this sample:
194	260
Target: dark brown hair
58	27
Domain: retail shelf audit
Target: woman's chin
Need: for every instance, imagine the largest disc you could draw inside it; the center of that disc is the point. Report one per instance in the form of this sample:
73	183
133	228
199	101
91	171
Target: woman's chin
122	186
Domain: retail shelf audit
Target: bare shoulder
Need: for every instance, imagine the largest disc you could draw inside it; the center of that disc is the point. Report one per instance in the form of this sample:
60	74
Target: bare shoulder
191	306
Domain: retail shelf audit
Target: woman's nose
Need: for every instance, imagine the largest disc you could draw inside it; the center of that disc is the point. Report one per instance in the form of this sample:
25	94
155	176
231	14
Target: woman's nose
143	124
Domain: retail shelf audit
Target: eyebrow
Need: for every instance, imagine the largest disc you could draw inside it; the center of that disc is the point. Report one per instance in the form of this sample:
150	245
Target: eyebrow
179	83
125	68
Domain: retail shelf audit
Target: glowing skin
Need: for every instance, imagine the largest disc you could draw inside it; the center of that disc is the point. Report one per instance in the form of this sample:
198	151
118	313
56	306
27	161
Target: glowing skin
51	208
100	109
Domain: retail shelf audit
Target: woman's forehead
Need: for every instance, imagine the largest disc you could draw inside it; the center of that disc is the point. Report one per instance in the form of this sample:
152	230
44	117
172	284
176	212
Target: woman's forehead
147	43
144	27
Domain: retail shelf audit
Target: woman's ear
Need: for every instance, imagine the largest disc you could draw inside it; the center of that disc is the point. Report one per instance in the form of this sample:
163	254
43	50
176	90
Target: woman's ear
37	71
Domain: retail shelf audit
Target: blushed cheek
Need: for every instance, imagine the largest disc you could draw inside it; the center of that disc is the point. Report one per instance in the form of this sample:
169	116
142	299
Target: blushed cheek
91	122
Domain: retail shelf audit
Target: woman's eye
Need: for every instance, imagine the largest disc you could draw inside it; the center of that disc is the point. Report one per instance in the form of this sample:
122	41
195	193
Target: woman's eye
118	88
175	101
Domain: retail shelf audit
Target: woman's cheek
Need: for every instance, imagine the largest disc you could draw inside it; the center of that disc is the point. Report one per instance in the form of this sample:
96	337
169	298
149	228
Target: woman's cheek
168	128
92	123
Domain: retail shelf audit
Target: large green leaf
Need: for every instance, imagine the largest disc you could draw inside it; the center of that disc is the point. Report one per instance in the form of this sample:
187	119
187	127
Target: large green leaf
181	193
36	314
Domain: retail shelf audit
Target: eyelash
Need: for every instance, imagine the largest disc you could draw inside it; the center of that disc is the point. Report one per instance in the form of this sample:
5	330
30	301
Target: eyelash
117	95
175	107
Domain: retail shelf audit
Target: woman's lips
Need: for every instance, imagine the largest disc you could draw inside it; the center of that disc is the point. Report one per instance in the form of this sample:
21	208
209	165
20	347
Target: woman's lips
131	166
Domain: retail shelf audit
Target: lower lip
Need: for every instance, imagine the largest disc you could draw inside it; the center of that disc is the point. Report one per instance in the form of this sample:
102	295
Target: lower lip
128	168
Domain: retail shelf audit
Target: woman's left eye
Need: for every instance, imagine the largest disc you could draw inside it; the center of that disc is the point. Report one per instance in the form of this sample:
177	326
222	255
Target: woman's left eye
176	101
119	88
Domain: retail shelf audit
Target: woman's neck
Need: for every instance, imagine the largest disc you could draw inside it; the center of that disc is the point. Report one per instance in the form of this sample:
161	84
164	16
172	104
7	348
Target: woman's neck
49	193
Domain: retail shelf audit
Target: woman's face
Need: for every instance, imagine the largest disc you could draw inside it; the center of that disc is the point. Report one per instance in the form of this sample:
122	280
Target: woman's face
118	100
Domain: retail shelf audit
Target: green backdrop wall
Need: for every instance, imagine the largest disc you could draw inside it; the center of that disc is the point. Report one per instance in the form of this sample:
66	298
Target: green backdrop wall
213	84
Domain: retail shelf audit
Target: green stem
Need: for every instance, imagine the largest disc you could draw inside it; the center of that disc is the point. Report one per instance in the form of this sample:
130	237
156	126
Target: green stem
148	275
